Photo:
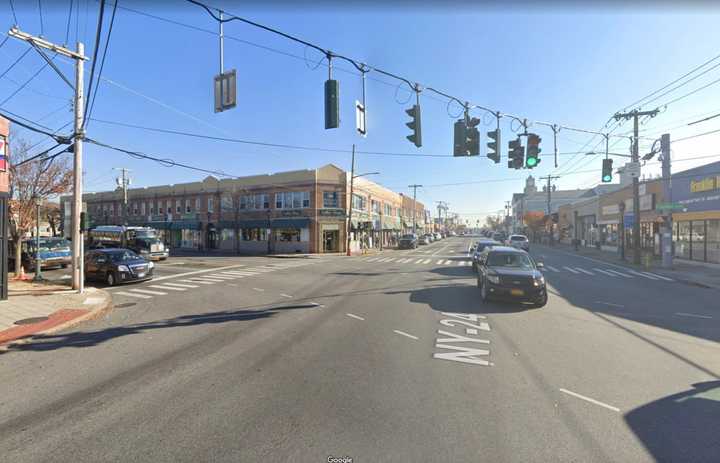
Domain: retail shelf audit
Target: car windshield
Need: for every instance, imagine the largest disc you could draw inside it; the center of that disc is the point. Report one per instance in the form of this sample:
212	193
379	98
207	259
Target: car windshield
408	237
509	259
517	238
50	244
122	256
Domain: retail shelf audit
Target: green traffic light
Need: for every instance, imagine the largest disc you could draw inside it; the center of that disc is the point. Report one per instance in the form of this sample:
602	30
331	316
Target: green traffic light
607	178
531	162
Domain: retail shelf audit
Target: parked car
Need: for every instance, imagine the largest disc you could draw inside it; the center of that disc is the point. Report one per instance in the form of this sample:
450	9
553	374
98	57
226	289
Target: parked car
508	273
117	265
479	247
499	236
54	252
437	236
425	239
408	242
143	240
520	242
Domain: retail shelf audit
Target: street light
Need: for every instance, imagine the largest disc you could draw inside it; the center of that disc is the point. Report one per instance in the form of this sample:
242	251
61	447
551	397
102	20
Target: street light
38	260
352	184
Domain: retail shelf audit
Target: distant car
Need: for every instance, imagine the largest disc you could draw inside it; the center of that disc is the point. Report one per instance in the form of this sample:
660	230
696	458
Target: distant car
499	236
54	252
520	242
117	265
438	236
508	273
425	239
479	247
408	242
429	237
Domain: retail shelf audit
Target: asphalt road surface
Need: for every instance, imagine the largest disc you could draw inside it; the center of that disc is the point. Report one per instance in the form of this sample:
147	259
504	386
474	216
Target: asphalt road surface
389	357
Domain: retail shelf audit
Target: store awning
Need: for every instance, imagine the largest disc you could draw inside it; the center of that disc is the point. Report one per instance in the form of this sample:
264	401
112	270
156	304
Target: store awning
302	222
182	225
253	223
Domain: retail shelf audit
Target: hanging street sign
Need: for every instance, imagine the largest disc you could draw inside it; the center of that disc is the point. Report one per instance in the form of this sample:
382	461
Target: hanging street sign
360	118
225	91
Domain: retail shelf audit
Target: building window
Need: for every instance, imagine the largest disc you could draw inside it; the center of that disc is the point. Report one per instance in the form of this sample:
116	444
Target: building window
388	210
178	208
713	241
142	208
330	199
152	208
257	202
226	203
187	206
305	199
135	208
210	204
254	234
292	200
197	204
359	202
287	234
376	207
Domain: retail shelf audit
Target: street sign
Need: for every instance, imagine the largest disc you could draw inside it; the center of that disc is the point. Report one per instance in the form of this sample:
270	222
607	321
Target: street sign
225	91
628	220
633	169
360	118
669	206
3	154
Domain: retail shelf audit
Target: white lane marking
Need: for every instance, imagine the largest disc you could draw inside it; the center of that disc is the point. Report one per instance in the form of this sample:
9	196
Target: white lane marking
584	271
286	295
552	268
619	273
202	282
180	275
93	300
684	314
588	399
402	333
141	296
235	273
166	287
610	304
571	270
604	272
448	262
181	285
147	291
374	259
260	290
209	279
317	304
390	259
354	316
222	277
658	276
171	263
642	275
471	331
419	261
426	261
232	284
439	262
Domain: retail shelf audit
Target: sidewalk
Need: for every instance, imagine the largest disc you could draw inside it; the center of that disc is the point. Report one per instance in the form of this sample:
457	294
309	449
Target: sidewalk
45	308
692	273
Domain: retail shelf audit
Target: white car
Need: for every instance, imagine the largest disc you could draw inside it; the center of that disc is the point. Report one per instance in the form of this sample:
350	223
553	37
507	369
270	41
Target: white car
519	242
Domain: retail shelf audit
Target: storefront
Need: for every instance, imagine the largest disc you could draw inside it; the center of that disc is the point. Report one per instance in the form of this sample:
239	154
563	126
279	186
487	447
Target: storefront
696	229
332	223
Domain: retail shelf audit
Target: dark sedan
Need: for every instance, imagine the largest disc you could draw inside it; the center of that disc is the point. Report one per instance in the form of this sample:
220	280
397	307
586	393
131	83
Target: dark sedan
117	265
408	242
479	247
510	274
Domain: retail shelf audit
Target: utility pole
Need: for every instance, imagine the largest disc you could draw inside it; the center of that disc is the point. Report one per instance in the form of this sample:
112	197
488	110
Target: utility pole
350	203
635	115
414	187
666	233
549	179
79	134
123	182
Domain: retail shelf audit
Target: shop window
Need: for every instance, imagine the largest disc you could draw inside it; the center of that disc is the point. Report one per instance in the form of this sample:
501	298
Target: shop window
682	240
330	199
227	234
254	234
697	240
713	241
287	234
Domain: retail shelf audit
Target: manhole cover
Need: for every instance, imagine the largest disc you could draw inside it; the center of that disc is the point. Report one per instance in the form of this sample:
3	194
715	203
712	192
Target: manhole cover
127	304
31	320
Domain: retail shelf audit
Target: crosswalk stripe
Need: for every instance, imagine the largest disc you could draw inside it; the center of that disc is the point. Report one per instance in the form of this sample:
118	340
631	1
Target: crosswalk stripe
659	276
181	285
140	296
202	282
374	259
571	270
147	291
214	280
552	268
642	275
419	261
619	273
235	274
221	277
448	262
604	272
440	262
166	287
426	261
584	271
389	259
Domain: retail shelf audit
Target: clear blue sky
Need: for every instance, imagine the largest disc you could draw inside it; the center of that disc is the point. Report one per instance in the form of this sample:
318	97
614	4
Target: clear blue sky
563	64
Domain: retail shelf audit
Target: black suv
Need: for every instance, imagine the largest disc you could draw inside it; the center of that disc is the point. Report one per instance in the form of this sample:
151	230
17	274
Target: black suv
117	265
511	274
408	242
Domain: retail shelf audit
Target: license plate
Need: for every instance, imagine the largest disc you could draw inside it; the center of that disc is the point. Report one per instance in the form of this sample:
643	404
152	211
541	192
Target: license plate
516	292
140	275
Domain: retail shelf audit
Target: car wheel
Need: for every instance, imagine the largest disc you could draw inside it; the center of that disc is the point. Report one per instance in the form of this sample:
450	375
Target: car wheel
541	301
64	266
110	279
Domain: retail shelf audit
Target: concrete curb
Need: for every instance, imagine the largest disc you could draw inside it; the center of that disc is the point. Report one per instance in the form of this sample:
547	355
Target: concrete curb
99	311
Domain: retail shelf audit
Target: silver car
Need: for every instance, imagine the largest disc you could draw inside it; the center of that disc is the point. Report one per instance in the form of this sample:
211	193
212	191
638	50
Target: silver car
519	242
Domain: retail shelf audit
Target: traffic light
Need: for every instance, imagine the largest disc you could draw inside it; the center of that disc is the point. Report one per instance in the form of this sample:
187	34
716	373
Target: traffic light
332	104
460	138
607	170
472	140
516	154
532	158
494	145
414	125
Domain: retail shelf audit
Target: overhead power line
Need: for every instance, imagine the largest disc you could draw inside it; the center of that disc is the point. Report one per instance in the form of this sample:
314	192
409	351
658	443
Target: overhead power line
98	37
675	100
4	113
102	62
15	62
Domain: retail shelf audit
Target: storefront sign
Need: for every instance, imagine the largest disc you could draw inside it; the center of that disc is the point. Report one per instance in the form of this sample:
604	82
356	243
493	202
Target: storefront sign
331	212
628	220
705	184
698	189
291	212
611	210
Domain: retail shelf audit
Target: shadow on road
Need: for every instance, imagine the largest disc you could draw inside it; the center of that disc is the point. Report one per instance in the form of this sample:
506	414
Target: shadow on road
681	427
49	342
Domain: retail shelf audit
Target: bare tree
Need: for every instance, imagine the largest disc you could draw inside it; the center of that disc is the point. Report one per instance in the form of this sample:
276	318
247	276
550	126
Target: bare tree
41	179
51	211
